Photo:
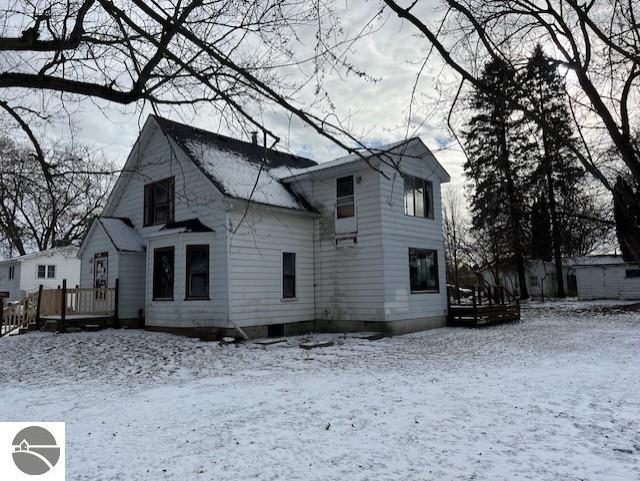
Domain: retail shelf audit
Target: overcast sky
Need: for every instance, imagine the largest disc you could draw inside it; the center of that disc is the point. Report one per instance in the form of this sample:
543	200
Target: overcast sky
374	111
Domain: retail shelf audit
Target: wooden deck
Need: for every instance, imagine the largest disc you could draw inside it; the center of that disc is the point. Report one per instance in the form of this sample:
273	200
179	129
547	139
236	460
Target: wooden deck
481	306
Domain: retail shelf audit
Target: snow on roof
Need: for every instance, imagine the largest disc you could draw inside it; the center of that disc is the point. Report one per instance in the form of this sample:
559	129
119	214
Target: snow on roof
122	234
234	165
602	260
68	251
237	175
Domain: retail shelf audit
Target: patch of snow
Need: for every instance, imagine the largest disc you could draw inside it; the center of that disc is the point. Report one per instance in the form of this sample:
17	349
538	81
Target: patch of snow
237	175
554	397
125	237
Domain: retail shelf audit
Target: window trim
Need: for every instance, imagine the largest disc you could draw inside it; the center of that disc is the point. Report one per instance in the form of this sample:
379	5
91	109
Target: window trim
295	277
49	267
187	281
353	196
43	276
427	187
148	213
157	251
434	290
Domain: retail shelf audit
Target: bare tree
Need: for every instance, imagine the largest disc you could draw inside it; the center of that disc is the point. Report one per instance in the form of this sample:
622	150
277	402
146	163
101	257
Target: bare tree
38	215
455	232
598	43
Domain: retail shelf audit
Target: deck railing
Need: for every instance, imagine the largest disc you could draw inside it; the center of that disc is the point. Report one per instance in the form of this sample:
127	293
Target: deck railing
59	304
19	315
478	305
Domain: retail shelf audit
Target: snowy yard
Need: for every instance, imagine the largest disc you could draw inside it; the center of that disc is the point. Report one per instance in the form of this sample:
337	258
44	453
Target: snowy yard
555	397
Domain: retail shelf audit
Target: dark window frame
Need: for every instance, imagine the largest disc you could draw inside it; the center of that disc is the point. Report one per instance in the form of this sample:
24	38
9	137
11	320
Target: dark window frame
51	268
151	205
155	281
12	272
413	185
632	273
187	289
434	252
344	199
44	273
293	295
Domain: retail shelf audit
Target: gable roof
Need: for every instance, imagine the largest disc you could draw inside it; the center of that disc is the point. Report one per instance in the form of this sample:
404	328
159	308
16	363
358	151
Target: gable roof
394	148
236	167
120	232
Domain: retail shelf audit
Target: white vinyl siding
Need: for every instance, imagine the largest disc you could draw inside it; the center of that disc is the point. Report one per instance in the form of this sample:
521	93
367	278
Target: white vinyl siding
255	265
607	282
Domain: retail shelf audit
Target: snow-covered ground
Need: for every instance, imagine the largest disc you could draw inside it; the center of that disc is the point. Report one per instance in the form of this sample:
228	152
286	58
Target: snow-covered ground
555	397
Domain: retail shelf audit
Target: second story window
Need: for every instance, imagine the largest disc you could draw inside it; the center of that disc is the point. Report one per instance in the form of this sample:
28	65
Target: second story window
345	205
345	200
12	272
159	202
418	197
46	272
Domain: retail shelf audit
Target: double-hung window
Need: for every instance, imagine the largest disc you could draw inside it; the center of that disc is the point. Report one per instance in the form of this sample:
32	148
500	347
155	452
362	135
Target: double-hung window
12	272
345	205
197	272
418	197
163	270
423	270
159	202
288	275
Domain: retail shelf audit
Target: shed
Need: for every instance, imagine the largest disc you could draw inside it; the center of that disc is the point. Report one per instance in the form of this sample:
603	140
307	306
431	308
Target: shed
607	277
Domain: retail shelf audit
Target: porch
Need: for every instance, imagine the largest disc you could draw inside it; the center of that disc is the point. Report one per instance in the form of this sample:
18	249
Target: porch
62	308
480	305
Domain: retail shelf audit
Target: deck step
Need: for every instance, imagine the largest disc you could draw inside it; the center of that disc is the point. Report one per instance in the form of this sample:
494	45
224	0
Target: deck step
92	327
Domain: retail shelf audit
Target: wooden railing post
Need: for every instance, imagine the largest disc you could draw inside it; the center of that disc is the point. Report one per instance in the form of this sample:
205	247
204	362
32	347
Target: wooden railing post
1	316
489	295
116	319
38	306
63	306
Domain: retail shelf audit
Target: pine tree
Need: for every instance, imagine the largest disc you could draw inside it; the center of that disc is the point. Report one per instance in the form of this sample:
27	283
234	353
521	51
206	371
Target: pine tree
627	217
541	231
557	173
495	147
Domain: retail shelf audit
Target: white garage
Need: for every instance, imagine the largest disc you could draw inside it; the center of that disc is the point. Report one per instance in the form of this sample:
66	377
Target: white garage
607	277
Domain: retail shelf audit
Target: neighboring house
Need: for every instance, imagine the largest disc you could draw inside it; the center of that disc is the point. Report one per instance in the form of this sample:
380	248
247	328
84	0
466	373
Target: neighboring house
22	275
607	277
540	277
342	245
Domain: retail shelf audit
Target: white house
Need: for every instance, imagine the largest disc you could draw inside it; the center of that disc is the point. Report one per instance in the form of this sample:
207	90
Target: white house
342	245
607	277
22	275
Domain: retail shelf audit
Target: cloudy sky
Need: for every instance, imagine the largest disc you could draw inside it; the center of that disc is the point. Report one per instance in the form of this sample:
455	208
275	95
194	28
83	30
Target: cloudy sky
375	111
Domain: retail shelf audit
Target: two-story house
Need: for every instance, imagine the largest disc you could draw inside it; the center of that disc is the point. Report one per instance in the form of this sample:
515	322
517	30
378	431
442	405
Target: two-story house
209	234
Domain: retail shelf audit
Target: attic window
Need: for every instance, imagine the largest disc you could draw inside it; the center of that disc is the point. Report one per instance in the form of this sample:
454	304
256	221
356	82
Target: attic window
345	201
418	197
159	202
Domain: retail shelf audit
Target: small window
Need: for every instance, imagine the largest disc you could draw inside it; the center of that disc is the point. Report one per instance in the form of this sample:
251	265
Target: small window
12	272
159	202
288	275
163	268
345	200
423	270
418	197
197	272
51	272
632	273
42	272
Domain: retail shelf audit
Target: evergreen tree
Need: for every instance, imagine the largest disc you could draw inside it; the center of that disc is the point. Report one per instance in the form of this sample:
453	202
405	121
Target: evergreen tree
541	231
557	173
495	147
627	217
